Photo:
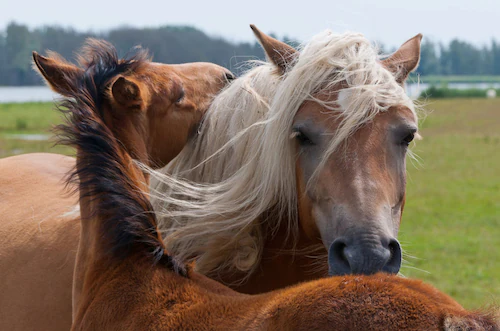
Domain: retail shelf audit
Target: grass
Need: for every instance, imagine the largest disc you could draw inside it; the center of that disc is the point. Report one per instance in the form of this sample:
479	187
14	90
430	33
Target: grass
451	223
26	119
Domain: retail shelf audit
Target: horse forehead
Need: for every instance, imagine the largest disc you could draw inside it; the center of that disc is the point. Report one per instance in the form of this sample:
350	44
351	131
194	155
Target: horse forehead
314	112
193	68
162	78
160	70
399	114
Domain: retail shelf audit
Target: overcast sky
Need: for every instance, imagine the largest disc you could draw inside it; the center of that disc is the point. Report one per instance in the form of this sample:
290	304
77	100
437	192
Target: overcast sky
389	21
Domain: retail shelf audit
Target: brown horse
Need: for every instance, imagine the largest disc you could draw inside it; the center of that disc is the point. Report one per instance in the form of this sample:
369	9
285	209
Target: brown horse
130	282
300	166
145	104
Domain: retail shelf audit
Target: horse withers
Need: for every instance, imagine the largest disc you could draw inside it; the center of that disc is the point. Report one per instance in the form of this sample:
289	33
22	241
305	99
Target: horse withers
129	281
145	104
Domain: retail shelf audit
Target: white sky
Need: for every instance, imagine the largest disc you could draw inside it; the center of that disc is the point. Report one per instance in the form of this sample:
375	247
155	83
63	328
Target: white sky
390	21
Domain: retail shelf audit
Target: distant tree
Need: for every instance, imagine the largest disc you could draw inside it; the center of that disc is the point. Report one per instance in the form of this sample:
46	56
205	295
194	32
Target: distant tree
444	60
179	44
3	60
485	61
19	43
65	41
495	52
464	58
291	41
429	60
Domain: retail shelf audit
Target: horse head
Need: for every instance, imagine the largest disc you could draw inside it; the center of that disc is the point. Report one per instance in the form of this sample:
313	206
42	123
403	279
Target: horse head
144	103
351	141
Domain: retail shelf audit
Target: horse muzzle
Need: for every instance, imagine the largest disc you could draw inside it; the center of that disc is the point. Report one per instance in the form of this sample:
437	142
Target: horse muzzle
364	257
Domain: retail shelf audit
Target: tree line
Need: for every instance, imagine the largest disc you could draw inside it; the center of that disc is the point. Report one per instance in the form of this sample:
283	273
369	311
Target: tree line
459	58
168	44
178	44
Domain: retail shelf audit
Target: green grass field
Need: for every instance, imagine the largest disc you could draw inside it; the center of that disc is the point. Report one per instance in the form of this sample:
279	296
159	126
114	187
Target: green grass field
451	224
28	119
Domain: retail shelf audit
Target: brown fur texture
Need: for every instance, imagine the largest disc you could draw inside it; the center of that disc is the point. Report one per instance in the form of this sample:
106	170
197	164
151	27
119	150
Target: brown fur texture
40	220
39	242
139	291
351	195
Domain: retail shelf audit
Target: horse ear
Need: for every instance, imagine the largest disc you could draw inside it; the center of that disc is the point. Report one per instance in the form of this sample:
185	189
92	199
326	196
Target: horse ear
405	59
279	53
127	93
57	73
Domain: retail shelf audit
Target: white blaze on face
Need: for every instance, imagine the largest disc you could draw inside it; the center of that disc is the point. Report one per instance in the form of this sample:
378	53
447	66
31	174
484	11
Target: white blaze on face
344	99
364	189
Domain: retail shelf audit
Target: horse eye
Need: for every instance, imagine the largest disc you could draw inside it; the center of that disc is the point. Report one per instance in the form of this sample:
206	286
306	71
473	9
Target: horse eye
302	138
181	97
408	139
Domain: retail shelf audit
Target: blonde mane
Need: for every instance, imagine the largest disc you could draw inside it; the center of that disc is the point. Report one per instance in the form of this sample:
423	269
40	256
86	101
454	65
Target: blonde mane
234	183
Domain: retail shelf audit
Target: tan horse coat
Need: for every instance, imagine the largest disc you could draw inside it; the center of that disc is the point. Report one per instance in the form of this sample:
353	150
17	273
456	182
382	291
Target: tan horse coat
148	103
129	281
37	241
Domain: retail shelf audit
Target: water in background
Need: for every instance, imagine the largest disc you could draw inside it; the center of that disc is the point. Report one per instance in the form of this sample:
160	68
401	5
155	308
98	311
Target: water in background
26	94
43	93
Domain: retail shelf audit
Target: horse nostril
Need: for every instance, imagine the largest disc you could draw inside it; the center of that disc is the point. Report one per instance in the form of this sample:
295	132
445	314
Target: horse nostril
340	252
365	258
394	264
337	260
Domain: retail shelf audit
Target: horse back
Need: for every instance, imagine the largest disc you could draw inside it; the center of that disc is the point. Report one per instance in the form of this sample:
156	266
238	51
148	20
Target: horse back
39	227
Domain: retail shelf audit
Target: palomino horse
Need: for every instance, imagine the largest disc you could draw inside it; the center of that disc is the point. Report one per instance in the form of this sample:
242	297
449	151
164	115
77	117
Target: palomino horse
306	151
130	282
145	104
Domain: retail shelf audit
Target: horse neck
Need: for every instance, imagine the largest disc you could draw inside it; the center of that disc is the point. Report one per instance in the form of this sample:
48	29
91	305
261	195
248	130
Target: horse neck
106	284
93	254
129	129
286	260
295	255
89	249
294	251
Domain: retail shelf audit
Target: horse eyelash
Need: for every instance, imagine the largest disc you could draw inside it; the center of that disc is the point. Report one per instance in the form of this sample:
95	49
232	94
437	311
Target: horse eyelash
303	138
408	139
181	97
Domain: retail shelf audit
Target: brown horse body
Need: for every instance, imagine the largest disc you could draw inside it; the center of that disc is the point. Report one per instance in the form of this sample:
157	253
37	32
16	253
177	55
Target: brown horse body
39	235
277	268
129	282
146	104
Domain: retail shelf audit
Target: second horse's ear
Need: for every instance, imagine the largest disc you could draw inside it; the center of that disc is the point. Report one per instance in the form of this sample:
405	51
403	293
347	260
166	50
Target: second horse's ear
57	73
405	59
127	93
279	53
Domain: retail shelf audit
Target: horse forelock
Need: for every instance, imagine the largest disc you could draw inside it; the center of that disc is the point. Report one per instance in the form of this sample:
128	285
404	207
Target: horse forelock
211	198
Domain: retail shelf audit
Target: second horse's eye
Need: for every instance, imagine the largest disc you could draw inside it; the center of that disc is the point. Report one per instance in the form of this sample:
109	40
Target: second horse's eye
302	138
181	97
408	139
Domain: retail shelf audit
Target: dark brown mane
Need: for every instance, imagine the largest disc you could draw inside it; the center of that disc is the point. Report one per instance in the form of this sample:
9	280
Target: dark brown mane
129	222
100	62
